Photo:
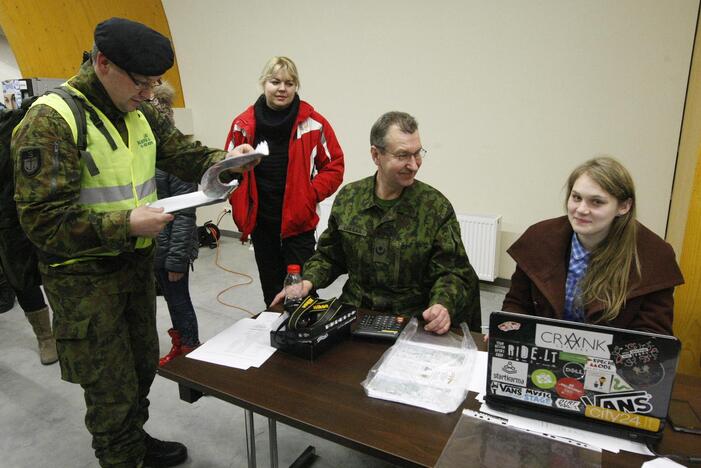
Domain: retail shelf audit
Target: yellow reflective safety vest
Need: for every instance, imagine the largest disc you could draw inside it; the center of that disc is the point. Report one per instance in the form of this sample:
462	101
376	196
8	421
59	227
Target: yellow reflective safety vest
112	179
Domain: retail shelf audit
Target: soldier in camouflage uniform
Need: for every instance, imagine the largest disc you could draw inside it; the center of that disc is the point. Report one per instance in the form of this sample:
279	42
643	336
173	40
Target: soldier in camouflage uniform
97	260
397	238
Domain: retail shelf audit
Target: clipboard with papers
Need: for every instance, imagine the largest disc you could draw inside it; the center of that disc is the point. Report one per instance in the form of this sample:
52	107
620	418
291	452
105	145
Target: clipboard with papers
213	190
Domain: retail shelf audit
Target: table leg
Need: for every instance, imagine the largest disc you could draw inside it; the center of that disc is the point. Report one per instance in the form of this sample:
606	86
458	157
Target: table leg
272	436
250	439
188	394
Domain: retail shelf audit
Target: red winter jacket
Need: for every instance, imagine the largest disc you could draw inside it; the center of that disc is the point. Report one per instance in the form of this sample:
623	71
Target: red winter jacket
314	171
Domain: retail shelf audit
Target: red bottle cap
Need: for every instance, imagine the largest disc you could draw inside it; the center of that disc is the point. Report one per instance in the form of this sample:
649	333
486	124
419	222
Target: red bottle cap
293	269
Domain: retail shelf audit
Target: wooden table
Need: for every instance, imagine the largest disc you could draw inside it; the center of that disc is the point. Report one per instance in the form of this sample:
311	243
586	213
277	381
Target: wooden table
325	398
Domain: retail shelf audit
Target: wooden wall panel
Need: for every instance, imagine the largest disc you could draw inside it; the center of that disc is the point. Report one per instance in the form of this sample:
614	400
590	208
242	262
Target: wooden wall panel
684	222
49	36
687	315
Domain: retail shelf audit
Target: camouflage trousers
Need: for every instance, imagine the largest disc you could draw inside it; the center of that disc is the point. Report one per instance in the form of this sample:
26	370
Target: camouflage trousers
105	327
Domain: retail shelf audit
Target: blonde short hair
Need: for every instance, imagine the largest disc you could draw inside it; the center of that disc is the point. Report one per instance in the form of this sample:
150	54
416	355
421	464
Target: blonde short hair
277	63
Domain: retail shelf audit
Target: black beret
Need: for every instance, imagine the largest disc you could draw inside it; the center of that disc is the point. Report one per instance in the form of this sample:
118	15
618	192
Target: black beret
134	47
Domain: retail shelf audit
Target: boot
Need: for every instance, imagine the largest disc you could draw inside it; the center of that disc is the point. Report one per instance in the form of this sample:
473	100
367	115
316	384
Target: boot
175	351
161	453
185	349
39	319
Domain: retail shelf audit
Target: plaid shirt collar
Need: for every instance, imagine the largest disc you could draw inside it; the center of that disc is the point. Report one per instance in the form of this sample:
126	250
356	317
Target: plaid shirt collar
578	252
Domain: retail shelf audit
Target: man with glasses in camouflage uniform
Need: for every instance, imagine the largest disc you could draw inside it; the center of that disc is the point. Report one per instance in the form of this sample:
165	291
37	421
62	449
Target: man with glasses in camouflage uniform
397	239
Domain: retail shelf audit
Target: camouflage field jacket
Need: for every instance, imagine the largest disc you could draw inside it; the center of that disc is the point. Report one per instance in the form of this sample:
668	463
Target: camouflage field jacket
401	260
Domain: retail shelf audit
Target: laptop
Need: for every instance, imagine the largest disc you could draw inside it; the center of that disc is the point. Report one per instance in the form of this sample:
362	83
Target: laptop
607	380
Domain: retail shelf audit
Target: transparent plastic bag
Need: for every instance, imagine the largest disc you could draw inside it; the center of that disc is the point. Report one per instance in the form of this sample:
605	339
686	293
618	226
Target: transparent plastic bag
424	369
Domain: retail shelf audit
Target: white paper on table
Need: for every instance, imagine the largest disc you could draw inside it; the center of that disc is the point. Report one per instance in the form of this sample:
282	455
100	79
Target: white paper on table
244	344
478	377
604	442
493	418
661	463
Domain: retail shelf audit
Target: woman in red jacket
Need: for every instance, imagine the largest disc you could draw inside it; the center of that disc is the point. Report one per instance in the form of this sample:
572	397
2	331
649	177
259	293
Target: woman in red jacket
597	264
276	204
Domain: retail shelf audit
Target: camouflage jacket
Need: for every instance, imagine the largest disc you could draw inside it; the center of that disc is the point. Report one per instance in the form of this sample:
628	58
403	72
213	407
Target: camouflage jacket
47	200
402	260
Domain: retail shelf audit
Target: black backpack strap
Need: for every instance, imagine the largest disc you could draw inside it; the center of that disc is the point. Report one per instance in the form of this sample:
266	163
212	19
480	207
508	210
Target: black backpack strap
78	115
78	107
97	121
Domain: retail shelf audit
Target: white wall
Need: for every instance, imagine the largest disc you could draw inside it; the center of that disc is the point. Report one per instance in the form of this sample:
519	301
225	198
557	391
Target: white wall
9	70
510	95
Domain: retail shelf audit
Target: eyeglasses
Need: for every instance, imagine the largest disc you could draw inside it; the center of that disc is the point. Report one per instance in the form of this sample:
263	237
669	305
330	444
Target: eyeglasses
144	85
404	156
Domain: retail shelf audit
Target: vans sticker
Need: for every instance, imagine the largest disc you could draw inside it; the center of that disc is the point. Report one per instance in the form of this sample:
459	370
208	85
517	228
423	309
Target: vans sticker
628	402
507	390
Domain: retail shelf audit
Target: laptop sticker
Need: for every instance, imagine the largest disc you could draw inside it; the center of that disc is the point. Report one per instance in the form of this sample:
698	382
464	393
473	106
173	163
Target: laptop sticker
618	384
507	390
597	381
538	397
626	419
499	348
570	340
566	404
628	402
597	364
569	357
509	371
569	388
543	378
509	326
574	370
639	363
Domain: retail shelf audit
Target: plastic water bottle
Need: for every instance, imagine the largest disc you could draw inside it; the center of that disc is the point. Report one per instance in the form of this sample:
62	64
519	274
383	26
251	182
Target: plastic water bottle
293	288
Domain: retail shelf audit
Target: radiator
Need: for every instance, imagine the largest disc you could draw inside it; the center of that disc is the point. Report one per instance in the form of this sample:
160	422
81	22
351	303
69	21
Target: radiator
480	234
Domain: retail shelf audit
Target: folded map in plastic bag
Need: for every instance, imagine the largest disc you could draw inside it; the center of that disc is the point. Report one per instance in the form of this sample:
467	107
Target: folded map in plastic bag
213	190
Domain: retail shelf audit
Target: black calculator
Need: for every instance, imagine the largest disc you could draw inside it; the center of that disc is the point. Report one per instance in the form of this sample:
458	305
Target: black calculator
380	326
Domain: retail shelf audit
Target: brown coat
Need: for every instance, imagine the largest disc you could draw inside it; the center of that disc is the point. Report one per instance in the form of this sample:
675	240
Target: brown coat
538	284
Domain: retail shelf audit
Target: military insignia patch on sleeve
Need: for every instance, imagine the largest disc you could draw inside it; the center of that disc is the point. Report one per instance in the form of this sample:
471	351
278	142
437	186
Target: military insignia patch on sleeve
30	161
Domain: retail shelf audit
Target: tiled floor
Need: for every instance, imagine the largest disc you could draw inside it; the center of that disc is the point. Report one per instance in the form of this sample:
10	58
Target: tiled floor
41	416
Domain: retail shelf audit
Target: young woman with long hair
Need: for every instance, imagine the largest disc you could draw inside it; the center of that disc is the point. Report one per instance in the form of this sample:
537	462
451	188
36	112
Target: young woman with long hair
598	264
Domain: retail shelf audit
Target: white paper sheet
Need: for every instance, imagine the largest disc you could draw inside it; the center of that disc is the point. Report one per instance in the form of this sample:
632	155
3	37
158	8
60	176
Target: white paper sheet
187	200
661	463
213	189
244	344
478	376
544	428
